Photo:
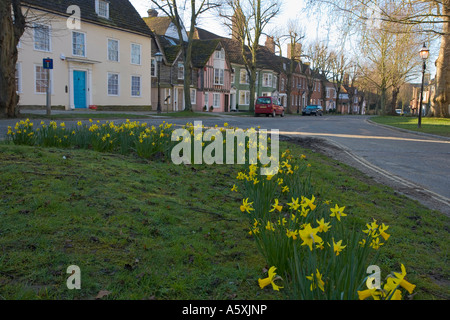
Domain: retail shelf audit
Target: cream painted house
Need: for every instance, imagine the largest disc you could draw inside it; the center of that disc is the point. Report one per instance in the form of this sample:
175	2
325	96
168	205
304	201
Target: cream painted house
101	53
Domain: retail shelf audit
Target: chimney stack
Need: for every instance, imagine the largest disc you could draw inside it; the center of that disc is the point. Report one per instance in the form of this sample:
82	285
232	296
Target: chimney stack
270	44
152	13
297	51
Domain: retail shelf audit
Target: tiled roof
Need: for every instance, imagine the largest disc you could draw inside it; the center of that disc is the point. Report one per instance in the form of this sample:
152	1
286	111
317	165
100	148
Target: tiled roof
122	14
203	34
158	25
202	51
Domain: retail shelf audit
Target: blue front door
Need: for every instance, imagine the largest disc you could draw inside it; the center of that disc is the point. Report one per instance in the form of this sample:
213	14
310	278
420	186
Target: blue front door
79	89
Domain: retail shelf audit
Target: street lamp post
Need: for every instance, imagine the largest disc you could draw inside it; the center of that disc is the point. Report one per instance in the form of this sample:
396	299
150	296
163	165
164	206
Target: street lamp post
424	54
159	56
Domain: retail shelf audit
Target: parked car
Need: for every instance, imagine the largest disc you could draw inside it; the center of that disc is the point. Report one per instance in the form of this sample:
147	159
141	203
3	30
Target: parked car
312	110
268	106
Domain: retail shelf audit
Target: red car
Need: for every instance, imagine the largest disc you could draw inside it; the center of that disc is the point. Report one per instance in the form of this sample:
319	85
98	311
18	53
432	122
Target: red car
268	106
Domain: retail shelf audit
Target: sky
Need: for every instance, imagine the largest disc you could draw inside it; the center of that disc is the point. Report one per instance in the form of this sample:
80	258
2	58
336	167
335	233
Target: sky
291	9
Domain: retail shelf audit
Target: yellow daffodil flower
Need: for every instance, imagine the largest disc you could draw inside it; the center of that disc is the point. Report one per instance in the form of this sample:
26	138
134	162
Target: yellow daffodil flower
376	244
269	226
294	205
309	202
292	234
246	206
337	212
309	236
276	206
234	188
323	227
319	283
338	247
363	295
270	280
400	279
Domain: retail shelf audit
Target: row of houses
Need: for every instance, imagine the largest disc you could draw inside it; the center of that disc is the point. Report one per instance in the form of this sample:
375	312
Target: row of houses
103	55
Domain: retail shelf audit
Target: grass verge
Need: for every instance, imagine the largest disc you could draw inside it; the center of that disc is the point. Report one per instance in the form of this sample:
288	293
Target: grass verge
436	126
152	230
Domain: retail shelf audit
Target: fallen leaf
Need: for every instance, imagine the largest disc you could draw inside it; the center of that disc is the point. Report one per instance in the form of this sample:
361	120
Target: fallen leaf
102	293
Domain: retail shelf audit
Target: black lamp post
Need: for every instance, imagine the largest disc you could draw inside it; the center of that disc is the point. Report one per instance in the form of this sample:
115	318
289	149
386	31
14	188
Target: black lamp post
424	54
159	56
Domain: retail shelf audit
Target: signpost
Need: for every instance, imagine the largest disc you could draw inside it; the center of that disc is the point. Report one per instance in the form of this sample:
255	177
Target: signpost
48	65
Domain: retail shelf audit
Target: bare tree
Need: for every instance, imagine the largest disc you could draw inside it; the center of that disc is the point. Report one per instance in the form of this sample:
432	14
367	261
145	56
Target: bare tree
293	35
247	20
320	57
174	9
12	26
425	17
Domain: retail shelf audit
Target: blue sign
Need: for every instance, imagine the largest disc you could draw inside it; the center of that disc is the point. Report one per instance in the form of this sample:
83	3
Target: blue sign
48	63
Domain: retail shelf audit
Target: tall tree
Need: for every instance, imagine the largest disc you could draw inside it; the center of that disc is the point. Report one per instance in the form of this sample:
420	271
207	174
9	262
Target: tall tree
426	17
12	26
320	56
247	20
175	10
293	35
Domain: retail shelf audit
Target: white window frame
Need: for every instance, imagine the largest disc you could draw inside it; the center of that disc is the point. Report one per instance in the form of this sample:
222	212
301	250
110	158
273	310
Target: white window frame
84	44
216	100
140	86
180	71
137	45
219	75
267	80
118	50
167	93
207	100
246	95
36	79
153	67
118	84
18	77
219	54
36	26
246	77
193	97
275	81
97	8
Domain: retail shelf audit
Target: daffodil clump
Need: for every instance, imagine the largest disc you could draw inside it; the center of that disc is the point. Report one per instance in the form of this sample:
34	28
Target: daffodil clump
130	136
308	239
147	141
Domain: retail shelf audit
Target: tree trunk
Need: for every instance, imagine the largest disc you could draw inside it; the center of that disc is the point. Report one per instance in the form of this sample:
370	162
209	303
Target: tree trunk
10	33
442	98
251	107
393	105
187	78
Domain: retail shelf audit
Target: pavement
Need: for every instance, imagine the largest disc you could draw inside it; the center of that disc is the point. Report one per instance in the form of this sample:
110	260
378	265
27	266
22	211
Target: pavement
414	164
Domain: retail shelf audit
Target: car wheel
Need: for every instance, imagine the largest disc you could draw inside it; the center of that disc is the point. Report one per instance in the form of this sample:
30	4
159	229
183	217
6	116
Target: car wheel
274	114
282	113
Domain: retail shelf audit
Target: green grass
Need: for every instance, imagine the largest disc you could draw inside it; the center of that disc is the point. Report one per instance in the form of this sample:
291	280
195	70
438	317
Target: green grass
436	126
152	230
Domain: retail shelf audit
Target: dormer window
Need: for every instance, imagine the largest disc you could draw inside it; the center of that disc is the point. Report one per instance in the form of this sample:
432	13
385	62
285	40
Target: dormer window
102	8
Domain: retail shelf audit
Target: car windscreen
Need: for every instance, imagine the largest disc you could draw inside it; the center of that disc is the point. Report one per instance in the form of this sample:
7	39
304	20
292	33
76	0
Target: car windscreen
263	101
